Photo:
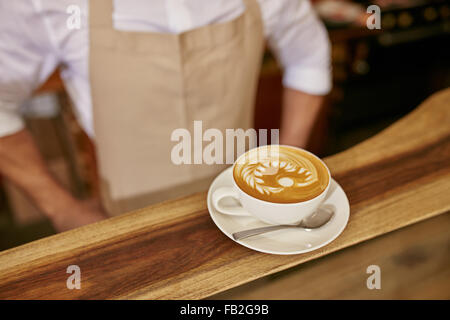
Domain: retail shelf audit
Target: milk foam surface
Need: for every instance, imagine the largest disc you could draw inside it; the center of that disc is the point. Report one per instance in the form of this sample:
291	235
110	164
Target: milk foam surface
281	174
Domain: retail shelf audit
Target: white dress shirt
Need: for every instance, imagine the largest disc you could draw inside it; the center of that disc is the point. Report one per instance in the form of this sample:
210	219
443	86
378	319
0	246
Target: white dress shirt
35	39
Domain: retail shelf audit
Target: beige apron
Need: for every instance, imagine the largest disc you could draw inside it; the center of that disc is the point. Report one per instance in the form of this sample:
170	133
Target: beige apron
145	85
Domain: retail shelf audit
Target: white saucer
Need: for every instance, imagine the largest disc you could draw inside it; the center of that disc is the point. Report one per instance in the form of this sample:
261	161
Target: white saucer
286	241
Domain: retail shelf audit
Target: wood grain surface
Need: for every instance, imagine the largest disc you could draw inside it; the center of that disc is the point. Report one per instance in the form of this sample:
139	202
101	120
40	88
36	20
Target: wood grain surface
414	263
173	250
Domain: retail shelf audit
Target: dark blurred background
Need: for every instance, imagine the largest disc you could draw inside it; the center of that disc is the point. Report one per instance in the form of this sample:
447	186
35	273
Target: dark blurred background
379	76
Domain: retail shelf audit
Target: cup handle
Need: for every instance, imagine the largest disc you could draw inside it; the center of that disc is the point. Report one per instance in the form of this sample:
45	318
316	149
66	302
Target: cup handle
227	192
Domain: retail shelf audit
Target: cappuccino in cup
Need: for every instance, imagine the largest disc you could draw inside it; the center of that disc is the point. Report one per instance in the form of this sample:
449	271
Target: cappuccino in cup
281	174
277	184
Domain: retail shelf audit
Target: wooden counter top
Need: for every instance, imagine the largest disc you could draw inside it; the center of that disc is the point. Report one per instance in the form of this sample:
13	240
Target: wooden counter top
174	251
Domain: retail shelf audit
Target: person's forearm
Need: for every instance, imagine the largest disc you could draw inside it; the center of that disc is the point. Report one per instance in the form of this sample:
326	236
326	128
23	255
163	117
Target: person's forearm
22	164
299	114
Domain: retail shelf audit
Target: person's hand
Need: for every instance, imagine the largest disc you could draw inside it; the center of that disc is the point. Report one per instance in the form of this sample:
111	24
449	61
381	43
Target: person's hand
22	164
74	213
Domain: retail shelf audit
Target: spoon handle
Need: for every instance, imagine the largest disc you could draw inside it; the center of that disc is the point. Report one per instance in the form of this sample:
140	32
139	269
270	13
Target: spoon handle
253	232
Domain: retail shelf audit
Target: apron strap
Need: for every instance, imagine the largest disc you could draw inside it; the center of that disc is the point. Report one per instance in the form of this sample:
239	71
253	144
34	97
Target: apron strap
252	7
100	13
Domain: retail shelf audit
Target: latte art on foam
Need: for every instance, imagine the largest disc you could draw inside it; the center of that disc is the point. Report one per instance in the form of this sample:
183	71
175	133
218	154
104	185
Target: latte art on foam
261	178
281	174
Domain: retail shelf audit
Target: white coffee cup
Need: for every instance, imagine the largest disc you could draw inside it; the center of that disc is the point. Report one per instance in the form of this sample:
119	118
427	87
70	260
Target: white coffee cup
269	212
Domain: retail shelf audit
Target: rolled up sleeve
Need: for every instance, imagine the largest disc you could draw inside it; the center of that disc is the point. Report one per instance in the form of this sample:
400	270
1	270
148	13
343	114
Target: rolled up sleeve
27	57
300	42
10	119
